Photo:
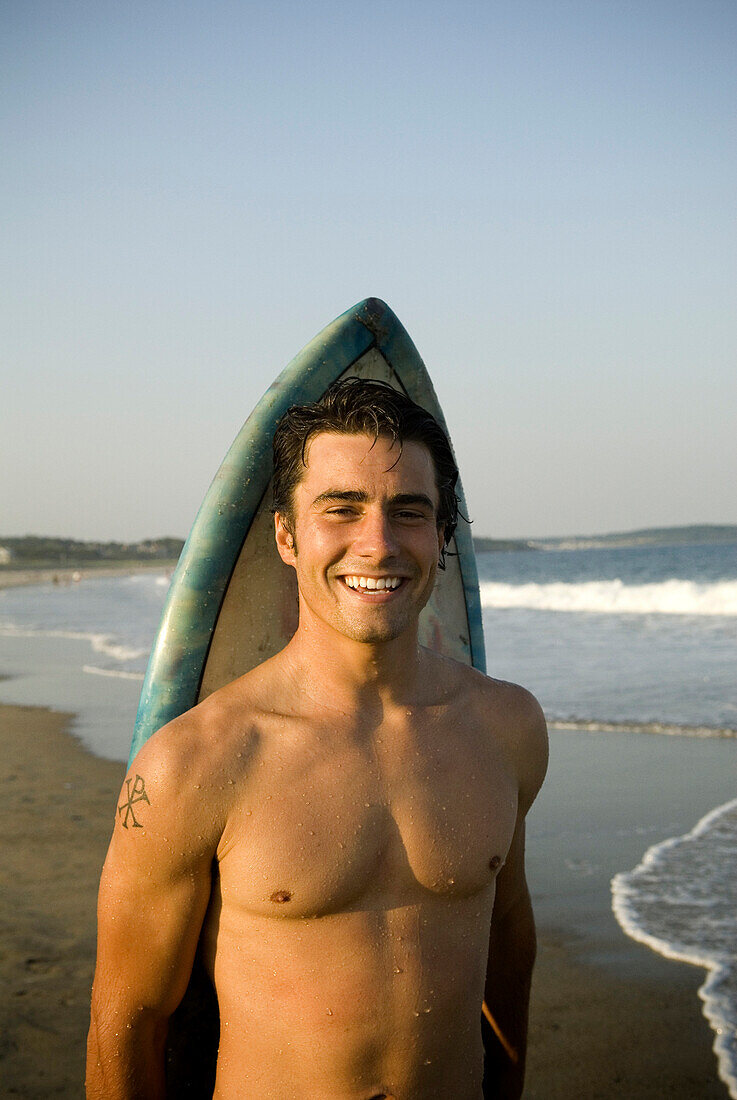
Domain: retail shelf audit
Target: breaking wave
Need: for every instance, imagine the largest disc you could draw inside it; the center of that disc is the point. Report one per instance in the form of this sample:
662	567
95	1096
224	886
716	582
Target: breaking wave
100	643
114	673
670	597
689	915
669	729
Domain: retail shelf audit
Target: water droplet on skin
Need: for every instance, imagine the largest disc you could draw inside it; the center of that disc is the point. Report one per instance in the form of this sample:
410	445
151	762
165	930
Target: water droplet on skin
248	813
428	1061
415	1013
330	1012
197	786
398	970
428	1009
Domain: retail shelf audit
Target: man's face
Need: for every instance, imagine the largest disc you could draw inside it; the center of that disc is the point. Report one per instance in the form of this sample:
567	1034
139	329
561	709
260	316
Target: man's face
366	538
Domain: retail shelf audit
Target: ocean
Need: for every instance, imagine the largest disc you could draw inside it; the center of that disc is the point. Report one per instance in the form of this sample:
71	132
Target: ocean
639	642
632	653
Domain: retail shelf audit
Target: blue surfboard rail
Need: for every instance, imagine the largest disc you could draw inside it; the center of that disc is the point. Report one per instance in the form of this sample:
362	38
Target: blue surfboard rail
210	553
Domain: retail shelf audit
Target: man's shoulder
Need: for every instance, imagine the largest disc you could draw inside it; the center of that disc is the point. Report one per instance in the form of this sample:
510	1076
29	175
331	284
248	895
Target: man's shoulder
511	716
227	728
195	756
517	703
204	736
520	723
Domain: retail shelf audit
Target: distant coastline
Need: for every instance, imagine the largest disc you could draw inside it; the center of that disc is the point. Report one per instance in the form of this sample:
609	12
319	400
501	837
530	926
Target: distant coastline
39	553
36	552
693	535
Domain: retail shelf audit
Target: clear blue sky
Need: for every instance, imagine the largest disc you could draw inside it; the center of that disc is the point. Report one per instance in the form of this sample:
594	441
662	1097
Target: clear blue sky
544	192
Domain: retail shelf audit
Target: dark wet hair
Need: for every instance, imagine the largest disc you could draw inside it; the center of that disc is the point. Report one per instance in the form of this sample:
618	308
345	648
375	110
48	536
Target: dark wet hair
354	406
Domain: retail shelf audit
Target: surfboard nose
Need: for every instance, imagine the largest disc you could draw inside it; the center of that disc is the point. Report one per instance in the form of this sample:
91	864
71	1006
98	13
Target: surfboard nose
375	315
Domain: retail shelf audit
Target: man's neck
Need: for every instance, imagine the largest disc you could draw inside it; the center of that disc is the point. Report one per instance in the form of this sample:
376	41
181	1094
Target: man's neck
345	673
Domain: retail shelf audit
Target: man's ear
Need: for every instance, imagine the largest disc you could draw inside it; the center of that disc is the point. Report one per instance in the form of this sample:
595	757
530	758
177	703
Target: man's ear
284	539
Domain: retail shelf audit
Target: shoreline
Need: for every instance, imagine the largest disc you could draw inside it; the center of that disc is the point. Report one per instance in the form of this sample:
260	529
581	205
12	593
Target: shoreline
16	578
632	1030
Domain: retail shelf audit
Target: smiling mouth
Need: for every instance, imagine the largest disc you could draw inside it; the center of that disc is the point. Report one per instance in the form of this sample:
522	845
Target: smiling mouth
372	584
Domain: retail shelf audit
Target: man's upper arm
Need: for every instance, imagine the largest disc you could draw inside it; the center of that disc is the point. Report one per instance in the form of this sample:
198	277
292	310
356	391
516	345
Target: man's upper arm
527	740
155	885
530	745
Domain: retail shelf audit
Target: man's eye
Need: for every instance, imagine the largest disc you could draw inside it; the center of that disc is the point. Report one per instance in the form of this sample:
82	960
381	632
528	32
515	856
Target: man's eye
343	511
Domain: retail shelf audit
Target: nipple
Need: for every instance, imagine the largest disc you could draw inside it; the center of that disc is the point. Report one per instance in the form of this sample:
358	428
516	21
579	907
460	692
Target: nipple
281	895
494	862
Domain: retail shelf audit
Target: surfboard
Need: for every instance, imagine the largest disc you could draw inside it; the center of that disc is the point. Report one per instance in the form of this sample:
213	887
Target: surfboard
232	602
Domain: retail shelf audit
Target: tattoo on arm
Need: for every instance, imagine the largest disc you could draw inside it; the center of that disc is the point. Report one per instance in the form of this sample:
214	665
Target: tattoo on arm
136	789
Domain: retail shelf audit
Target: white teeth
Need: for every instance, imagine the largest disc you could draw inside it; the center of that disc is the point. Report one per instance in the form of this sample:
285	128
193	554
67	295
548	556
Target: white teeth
371	584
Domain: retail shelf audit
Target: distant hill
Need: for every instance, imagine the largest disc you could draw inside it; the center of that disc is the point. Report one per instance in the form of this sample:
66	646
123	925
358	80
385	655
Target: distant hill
39	552
483	546
694	535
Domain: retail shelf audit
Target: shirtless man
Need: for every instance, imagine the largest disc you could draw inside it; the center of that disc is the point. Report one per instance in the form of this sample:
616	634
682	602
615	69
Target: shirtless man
342	829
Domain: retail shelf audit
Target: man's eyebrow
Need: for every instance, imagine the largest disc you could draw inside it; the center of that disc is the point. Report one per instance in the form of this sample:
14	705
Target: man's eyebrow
358	496
413	498
349	496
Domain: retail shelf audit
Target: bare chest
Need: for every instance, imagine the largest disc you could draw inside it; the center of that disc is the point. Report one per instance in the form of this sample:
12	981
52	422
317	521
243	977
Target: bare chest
323	833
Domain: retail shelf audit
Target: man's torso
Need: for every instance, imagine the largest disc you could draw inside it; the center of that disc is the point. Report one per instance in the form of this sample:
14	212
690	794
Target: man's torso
353	890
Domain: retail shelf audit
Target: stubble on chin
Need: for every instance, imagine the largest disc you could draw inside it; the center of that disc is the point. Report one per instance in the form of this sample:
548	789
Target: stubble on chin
358	630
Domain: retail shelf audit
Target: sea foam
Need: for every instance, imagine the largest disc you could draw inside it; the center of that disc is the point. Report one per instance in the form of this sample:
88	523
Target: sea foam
669	729
113	673
100	643
681	901
668	597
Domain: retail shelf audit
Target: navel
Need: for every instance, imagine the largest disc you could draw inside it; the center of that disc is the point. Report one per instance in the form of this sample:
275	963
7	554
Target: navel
281	895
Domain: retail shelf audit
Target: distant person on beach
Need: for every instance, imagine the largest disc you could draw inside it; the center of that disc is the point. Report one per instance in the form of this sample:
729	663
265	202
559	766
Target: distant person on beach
342	828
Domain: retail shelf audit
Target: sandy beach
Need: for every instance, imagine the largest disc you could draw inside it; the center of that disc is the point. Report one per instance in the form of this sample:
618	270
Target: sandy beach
595	1032
55	820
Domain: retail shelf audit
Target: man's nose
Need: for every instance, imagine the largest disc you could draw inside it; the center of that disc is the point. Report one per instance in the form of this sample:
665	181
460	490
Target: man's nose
376	536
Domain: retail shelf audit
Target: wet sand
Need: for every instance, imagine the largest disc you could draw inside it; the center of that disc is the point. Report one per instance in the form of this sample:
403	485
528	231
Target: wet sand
56	814
596	1032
